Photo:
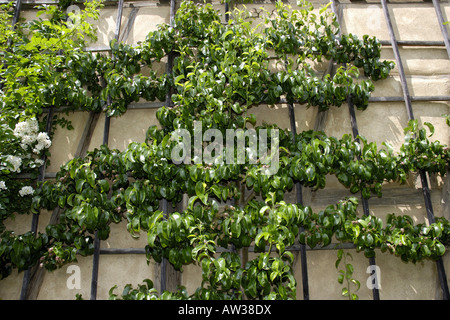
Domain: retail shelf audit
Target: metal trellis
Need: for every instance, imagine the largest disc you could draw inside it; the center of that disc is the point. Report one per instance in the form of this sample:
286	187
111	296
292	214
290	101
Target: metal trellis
96	256
406	98
355	132
409	111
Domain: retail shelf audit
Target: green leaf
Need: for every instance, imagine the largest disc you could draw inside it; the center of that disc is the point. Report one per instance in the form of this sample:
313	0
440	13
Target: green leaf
431	127
369	240
216	190
356	283
229	32
154	219
273	275
363	222
200	188
236	108
266	235
79	185
91	178
251	119
290	255
225	194
324	8
345	292
339	257
165	141
440	248
204	199
104	186
343	178
310	173
325	239
263	262
262	278
70	199
163	192
341	277
62	201
349	268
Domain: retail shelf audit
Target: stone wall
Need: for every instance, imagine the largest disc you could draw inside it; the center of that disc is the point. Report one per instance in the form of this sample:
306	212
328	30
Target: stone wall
428	73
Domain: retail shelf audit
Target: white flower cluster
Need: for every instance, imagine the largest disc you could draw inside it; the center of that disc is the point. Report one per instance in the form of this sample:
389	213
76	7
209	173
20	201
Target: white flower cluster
15	161
3	185
32	142
26	191
28	132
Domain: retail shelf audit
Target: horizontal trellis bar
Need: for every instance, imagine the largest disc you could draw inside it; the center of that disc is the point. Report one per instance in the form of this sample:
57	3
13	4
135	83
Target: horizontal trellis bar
332	246
150	2
416	98
412	43
158	104
122	251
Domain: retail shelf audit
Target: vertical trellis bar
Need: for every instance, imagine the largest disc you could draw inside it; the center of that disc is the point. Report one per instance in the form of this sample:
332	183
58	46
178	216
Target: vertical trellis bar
365	202
35	218
164	203
163	266
227	9
405	90
355	132
227	18
16	16
96	257
437	8
299	197
423	177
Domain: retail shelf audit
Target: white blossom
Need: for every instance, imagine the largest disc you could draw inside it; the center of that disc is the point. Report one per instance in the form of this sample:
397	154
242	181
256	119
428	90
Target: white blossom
3	185
28	133
27	190
16	162
43	142
27	140
25	128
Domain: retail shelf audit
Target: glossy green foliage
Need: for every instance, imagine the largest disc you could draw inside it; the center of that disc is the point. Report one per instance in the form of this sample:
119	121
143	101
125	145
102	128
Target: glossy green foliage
221	70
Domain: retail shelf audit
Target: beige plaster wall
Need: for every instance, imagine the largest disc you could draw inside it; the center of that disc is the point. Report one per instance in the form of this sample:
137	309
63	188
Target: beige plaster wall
428	73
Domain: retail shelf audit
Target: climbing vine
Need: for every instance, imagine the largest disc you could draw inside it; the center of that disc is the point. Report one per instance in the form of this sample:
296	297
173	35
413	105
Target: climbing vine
220	71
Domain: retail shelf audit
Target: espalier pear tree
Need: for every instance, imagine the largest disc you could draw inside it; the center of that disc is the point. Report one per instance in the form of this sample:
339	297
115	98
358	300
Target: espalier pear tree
209	147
